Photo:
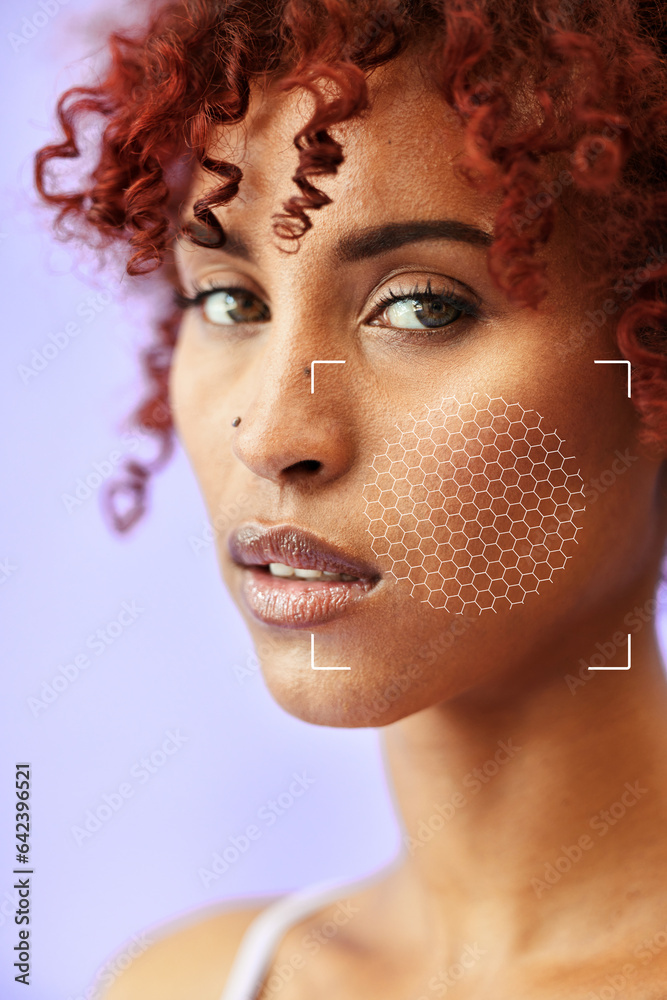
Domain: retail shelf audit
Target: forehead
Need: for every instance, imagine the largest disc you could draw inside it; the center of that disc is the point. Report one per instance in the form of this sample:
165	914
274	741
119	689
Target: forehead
399	156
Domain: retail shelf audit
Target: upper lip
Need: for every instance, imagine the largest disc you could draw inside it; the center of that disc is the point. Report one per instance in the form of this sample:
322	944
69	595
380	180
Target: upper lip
255	545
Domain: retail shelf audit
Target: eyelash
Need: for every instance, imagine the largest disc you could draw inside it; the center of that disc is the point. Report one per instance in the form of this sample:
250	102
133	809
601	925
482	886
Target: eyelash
201	294
447	295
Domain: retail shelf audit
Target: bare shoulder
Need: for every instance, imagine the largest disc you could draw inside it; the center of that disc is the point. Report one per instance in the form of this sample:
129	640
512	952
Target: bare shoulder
179	961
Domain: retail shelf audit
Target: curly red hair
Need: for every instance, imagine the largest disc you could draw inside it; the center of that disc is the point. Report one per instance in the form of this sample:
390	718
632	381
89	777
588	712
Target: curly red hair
595	68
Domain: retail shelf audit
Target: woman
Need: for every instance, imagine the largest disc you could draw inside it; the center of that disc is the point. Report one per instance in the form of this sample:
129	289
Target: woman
451	517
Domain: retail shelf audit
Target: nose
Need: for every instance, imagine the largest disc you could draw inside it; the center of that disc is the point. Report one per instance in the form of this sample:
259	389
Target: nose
288	434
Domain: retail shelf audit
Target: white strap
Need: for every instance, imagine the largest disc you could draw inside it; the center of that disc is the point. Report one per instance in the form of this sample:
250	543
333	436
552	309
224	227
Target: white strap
266	931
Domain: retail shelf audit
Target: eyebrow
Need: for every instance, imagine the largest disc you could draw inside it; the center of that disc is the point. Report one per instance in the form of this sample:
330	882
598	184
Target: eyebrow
375	240
379	239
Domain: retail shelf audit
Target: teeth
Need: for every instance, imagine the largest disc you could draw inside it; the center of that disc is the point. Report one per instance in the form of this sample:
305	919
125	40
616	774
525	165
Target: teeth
279	569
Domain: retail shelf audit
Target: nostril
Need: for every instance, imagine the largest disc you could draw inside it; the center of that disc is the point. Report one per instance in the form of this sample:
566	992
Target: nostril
307	465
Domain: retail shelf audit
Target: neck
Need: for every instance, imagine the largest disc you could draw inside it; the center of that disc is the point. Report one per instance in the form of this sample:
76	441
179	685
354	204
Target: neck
533	815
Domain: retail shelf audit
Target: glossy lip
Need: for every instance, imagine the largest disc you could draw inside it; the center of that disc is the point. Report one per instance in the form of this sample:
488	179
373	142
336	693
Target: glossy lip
292	603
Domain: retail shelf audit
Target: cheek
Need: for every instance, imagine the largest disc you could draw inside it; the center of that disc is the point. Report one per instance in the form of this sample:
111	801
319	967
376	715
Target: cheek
202	428
474	505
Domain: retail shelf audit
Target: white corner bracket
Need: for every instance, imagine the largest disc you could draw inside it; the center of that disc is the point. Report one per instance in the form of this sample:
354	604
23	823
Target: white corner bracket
619	361
619	668
312	371
312	657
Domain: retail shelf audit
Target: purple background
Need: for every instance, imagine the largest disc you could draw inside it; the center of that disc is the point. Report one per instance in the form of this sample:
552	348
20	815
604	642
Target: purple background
172	668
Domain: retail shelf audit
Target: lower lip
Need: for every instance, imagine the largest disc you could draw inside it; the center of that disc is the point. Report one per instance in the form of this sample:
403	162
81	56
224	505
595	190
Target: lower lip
293	603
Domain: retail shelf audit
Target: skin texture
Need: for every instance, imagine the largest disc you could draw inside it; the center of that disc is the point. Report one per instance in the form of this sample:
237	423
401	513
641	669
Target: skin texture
447	688
474	505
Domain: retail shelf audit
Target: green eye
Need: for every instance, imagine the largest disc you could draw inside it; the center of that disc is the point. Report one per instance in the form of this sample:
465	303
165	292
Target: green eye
423	309
226	306
420	313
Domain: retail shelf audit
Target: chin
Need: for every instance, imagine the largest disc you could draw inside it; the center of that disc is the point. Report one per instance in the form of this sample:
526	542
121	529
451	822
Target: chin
371	693
327	702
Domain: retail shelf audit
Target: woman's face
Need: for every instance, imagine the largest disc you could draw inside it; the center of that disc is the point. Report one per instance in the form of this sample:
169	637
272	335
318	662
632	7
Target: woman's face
451	465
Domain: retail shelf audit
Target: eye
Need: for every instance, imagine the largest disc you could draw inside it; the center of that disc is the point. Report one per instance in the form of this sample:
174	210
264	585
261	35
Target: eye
225	306
423	309
419	309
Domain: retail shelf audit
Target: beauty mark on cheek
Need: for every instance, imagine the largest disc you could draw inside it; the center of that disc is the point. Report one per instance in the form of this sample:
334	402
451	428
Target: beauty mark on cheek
474	504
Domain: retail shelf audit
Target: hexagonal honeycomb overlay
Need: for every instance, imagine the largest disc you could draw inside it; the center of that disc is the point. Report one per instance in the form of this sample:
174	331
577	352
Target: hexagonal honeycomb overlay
474	505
